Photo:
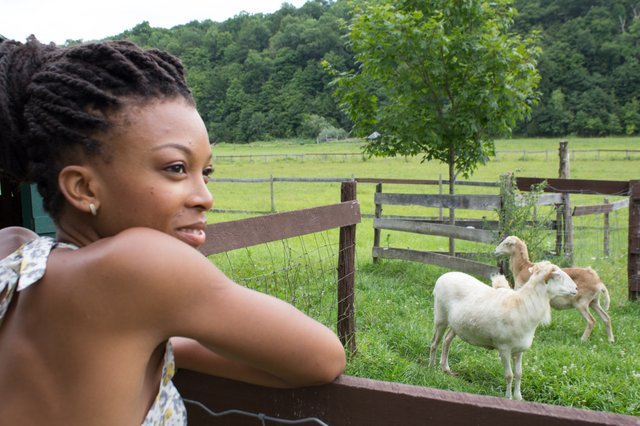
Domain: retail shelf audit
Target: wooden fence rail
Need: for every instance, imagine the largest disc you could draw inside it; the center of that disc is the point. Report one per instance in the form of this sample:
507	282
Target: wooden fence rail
600	208
448	201
353	401
556	189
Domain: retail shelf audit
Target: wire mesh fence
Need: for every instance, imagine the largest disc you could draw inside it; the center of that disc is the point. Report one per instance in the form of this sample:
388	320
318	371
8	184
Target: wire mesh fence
300	270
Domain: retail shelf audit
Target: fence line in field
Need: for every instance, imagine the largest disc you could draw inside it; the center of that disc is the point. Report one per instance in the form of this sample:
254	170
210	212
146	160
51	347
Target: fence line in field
558	187
628	154
273	179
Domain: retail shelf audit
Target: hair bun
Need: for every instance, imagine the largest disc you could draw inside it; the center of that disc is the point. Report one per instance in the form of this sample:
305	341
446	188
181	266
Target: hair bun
18	63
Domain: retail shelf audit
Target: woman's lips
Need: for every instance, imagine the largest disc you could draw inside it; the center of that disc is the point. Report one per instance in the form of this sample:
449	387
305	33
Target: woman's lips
193	236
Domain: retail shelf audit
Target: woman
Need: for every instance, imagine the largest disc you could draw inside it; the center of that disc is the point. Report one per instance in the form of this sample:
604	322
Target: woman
92	321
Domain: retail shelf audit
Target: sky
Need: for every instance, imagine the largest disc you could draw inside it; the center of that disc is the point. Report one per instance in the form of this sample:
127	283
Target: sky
60	20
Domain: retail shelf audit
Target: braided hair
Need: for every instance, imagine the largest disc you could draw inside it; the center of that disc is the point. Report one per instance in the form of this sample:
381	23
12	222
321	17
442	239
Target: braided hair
54	100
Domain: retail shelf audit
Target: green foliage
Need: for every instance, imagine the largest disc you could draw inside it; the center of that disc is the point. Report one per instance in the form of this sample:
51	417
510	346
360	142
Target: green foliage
590	54
255	77
438	79
589	69
312	125
320	129
521	216
331	134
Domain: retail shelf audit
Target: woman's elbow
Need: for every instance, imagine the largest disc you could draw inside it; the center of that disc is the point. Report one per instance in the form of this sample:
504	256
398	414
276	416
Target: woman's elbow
328	365
335	366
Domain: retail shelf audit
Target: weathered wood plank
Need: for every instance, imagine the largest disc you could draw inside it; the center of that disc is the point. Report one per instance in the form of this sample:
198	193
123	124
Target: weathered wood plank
241	233
354	401
424	182
620	204
454	263
600	208
576	186
465	202
544	199
442	230
594	209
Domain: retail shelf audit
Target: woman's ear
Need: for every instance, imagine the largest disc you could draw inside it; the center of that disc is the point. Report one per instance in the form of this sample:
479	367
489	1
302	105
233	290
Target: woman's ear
77	185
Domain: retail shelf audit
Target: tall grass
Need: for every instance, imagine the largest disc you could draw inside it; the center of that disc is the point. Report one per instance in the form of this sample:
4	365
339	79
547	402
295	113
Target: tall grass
394	304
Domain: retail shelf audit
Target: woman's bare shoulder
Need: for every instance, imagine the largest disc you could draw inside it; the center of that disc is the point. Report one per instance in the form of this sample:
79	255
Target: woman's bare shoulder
134	238
140	273
140	251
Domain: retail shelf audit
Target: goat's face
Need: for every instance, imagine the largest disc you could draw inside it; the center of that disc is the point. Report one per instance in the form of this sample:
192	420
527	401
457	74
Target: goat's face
507	246
557	281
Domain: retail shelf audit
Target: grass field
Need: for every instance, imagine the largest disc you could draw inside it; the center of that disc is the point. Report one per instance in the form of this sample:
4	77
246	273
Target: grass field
393	298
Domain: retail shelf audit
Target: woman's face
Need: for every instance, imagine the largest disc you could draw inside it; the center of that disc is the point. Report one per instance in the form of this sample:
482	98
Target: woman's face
156	173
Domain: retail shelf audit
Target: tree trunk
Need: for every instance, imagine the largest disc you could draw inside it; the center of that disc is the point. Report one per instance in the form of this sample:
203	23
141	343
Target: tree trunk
452	191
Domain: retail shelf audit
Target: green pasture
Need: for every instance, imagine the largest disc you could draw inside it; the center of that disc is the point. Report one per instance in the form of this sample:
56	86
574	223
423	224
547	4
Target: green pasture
393	298
289	196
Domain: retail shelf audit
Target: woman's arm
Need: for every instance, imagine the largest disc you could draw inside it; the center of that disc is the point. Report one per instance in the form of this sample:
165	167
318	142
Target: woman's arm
262	340
239	333
191	355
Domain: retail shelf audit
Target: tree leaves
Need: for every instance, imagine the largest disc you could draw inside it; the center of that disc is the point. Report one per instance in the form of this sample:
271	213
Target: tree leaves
448	77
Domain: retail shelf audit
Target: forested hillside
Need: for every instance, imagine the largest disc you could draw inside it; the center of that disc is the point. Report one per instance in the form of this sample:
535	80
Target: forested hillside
260	76
257	77
589	66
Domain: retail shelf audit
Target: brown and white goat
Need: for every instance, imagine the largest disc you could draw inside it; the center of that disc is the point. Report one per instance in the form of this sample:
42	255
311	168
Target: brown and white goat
589	284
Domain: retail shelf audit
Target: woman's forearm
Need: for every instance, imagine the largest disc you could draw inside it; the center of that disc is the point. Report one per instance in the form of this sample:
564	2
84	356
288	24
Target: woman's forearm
191	355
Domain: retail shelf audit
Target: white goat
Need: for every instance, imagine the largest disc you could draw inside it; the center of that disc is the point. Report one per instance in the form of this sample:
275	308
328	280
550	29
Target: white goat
499	281
495	318
589	284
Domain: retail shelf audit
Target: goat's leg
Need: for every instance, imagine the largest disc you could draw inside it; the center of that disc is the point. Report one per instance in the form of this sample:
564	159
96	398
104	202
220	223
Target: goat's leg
517	370
505	356
444	358
605	318
591	322
435	340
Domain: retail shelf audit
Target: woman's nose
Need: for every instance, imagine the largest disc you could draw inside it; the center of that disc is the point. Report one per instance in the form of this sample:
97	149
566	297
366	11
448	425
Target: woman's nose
202	197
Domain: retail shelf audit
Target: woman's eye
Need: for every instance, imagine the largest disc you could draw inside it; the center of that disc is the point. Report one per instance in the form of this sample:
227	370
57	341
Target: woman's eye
206	173
177	168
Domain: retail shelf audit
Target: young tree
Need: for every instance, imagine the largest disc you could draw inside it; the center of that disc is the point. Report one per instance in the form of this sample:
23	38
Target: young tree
438	78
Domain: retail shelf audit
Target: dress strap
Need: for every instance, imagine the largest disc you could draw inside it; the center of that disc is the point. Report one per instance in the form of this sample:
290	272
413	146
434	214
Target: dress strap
22	268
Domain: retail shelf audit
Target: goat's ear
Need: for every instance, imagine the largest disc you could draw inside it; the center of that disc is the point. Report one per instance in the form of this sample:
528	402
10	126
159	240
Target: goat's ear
548	275
530	269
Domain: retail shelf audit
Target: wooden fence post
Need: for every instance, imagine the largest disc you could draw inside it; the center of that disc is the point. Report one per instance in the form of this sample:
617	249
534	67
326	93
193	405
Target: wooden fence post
566	201
605	231
273	195
440	217
633	262
506	196
376	231
346	275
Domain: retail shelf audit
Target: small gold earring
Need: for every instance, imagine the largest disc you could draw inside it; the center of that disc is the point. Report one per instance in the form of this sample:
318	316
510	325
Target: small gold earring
94	209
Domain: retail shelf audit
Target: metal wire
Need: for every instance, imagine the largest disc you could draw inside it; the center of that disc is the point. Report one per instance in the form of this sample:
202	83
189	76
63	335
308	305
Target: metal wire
260	416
